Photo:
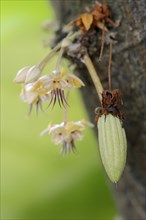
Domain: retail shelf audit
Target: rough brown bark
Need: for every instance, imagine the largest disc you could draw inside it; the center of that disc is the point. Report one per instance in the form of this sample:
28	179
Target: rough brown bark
128	74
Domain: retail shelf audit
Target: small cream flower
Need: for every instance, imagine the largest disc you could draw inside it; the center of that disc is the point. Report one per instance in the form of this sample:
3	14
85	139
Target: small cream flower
67	133
58	83
35	93
28	74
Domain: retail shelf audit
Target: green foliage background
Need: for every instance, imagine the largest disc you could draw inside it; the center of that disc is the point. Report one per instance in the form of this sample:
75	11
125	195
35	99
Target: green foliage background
37	183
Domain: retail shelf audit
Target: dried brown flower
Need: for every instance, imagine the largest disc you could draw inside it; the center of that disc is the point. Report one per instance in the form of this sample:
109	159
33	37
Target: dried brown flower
111	101
98	16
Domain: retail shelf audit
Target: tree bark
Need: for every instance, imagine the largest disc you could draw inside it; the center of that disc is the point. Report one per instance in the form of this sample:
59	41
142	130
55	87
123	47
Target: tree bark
128	68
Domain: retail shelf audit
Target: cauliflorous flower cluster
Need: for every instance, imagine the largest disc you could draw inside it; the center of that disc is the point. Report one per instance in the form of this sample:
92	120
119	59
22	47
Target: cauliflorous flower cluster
52	88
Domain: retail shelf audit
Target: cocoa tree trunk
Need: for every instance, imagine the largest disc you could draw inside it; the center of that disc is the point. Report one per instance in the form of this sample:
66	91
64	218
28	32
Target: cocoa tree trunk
128	68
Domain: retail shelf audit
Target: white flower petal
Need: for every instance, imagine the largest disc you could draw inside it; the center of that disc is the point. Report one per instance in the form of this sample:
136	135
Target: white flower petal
45	97
46	131
68	138
21	75
86	123
44	79
31	96
77	136
23	97
75	80
78	123
58	139
29	87
56	128
49	84
63	84
47	81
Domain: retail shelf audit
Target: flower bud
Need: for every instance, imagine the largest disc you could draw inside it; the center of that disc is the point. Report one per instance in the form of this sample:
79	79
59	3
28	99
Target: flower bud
21	75
112	146
33	74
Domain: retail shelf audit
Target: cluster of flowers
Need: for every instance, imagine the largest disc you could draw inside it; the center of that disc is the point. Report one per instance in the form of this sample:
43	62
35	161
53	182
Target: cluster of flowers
49	88
52	88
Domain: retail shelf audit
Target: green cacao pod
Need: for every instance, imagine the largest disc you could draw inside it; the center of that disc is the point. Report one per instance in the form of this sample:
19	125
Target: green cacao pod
112	146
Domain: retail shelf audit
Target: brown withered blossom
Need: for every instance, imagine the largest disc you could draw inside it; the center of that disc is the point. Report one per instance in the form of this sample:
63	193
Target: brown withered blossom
111	101
98	16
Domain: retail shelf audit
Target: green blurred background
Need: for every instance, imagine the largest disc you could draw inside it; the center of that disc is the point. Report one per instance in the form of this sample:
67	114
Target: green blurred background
37	183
